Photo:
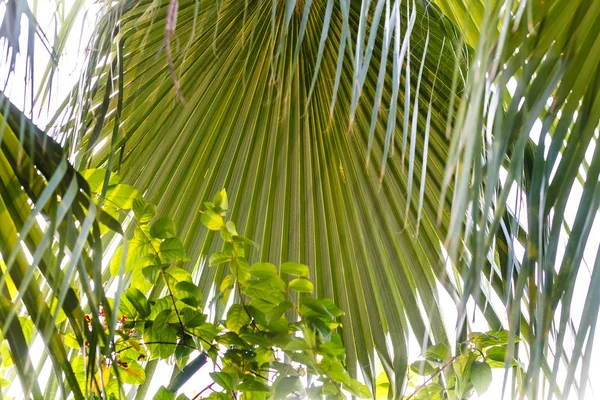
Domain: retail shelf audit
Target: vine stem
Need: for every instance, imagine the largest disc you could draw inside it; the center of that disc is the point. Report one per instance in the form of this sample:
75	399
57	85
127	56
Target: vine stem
239	288
159	342
156	252
164	275
436	373
203	390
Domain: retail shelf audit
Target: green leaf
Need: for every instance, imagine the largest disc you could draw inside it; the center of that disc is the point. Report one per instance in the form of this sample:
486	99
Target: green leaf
285	386
177	275
139	301
433	391
220	200
324	308
133	373
192	318
143	210
164	394
263	291
481	376
437	352
301	285
151	273
251	384
274	314
172	249
294	268
163	333
121	196
492	338
496	355
219	258
95	178
163	228
226	283
223	379
188	293
263	270
127	308
422	367
237	317
212	220
358	389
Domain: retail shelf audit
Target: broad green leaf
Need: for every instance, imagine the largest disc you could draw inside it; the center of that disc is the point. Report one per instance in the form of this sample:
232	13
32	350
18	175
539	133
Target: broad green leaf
143	210
432	391
226	283
301	285
178	275
139	301
320	307
164	394
273	314
495	356
237	317
188	293
71	341
263	291
121	196
133	373
483	340
251	384
285	386
192	318
437	352
223	379
127	308
95	178
158	337
212	220
219	258
172	249
422	367
263	270
163	228
220	200
481	376
294	268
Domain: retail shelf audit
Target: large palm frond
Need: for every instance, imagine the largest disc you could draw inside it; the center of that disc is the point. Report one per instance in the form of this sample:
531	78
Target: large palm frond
49	238
288	132
538	136
299	109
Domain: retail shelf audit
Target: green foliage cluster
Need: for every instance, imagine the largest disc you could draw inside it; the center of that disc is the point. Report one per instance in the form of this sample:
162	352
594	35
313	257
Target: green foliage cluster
255	352
458	377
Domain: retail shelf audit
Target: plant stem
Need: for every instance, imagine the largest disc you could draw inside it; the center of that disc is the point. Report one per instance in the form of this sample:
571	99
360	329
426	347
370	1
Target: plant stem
203	390
436	373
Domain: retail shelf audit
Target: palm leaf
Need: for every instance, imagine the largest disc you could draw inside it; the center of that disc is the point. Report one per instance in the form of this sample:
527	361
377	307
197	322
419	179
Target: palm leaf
355	137
37	182
295	171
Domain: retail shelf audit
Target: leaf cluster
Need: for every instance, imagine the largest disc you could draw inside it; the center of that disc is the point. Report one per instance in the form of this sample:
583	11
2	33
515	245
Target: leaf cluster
457	377
275	340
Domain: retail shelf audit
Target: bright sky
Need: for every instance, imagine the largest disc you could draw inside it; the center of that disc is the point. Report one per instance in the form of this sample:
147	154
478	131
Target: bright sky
67	76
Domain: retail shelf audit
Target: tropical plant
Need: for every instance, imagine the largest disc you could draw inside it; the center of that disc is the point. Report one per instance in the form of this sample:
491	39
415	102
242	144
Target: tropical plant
379	143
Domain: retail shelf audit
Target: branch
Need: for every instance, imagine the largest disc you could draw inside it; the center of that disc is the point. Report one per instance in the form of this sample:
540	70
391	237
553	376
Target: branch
436	373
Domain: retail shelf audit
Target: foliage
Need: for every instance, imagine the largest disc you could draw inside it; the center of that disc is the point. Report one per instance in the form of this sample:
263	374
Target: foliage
255	352
378	142
460	376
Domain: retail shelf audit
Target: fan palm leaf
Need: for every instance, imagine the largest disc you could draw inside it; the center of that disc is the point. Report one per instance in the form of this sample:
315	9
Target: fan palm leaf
276	132
355	137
